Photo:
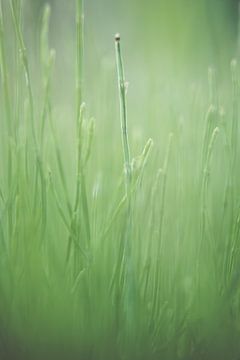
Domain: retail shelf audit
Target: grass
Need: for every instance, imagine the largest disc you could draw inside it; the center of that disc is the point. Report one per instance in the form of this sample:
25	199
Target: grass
105	254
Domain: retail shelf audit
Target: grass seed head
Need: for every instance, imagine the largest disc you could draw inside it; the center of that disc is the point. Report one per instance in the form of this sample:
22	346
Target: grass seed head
117	37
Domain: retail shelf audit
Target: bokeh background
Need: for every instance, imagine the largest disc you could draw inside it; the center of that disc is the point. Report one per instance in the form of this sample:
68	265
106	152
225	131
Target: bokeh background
167	47
162	39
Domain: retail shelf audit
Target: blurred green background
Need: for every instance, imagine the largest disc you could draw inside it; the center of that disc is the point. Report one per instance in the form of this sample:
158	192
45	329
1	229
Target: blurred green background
167	47
161	38
191	31
165	43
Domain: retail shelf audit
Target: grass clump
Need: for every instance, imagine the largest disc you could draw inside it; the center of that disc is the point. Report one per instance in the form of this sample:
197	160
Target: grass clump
100	260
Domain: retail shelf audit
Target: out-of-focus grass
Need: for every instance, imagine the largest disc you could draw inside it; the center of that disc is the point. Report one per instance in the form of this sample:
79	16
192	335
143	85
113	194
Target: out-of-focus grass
92	269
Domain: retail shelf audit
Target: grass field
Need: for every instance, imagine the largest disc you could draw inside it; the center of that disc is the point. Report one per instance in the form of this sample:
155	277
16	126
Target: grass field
119	202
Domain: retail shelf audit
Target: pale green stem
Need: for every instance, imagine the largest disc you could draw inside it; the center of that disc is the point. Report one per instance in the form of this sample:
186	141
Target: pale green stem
123	113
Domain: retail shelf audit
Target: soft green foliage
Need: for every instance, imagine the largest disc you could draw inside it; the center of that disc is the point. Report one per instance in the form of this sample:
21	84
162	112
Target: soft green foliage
104	253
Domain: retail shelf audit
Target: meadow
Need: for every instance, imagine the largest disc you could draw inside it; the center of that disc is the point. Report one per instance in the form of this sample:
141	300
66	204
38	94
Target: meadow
119	188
